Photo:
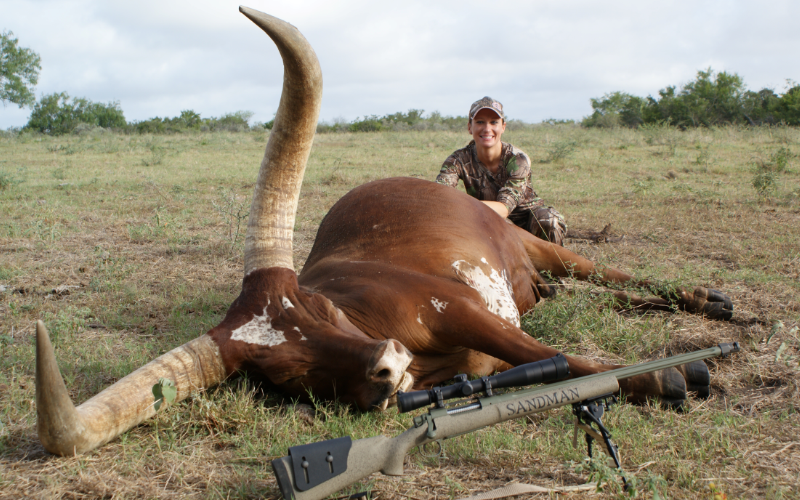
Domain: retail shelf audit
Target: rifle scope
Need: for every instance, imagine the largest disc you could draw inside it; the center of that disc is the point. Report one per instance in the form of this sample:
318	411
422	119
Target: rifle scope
547	370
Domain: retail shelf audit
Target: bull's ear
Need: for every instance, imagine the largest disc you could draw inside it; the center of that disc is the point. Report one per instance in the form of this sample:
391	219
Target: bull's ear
66	430
270	226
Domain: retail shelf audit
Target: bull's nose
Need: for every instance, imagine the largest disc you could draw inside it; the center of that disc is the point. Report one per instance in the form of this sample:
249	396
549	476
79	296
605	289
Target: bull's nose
388	363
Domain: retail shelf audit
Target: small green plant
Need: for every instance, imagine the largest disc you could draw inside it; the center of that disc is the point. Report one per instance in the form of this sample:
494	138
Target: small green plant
44	230
607	478
561	150
233	210
5	181
703	156
781	158
641	187
766	173
66	322
59	174
6	273
156	156
765	180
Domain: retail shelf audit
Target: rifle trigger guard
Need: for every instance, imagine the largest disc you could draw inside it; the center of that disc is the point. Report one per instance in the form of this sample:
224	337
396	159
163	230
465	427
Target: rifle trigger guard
437	453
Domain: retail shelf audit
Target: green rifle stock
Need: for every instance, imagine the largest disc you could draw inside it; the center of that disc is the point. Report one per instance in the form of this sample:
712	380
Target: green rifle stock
316	470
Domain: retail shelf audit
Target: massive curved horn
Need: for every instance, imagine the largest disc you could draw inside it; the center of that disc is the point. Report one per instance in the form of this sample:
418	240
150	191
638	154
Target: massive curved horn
270	226
66	430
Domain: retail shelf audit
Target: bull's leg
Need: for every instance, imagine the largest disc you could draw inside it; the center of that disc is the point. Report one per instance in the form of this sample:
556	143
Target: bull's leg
469	324
560	262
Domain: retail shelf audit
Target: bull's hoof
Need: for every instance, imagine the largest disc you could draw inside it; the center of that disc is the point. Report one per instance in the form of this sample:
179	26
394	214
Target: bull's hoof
668	386
718	305
547	291
673	385
713	304
697	378
717	296
672	404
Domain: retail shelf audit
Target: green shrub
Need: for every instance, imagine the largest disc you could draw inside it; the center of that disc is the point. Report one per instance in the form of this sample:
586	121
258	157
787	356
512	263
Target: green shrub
766	174
616	109
57	114
367	124
231	122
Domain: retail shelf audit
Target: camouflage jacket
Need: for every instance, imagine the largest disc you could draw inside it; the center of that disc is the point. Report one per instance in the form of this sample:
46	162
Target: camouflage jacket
511	186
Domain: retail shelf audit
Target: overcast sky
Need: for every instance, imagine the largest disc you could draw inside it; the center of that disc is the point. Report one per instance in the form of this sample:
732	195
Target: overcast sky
542	59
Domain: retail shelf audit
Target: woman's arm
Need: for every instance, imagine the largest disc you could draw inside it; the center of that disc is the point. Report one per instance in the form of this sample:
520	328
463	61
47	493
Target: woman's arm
498	207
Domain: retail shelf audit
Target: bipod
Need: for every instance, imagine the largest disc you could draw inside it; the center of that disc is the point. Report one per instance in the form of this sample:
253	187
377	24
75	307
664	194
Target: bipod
588	412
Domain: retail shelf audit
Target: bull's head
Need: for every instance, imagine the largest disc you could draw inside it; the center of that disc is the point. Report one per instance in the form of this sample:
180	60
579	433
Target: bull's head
297	339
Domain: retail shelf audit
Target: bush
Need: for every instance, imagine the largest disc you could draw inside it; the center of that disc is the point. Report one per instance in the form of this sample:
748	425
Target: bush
232	122
367	124
57	114
616	109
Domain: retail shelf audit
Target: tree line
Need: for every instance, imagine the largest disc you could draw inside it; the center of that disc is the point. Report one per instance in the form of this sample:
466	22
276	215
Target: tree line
58	114
712	99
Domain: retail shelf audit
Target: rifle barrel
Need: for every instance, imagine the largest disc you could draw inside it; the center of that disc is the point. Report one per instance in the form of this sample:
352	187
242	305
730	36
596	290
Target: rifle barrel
660	364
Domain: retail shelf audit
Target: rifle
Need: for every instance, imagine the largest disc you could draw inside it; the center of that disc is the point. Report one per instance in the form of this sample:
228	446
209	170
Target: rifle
316	470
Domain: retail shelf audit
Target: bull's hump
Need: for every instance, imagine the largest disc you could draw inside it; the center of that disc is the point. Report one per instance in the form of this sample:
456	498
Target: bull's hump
410	223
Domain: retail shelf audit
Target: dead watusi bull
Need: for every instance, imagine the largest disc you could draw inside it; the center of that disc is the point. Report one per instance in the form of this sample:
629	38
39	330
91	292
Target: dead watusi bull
408	283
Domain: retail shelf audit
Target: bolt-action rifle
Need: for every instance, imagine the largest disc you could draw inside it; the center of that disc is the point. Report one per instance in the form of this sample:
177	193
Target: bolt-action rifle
316	470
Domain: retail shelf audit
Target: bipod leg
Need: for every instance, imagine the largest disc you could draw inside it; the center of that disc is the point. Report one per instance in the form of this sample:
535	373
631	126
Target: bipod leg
591	412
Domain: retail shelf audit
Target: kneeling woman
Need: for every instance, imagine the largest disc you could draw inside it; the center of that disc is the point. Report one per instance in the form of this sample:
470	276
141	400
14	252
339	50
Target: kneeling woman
499	174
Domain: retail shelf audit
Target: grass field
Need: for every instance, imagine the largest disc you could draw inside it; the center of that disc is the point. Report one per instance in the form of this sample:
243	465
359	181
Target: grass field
128	246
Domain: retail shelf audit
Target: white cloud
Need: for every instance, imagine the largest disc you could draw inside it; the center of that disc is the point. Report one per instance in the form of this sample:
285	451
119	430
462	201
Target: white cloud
543	59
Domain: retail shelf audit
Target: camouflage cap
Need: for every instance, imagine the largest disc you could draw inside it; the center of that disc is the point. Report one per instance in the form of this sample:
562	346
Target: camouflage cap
486	103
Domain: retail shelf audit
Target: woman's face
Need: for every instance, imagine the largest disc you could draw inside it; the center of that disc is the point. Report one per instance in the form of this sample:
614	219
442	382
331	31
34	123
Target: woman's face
486	128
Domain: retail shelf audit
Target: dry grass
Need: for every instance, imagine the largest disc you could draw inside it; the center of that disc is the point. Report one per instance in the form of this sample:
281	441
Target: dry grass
124	246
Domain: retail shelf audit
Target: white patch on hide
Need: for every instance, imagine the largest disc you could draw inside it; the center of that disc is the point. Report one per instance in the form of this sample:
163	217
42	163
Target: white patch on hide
302	337
286	303
483	259
438	304
419	318
259	331
495	289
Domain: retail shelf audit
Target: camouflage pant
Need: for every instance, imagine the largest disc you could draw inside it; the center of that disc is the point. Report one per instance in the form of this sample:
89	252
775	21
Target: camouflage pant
545	223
